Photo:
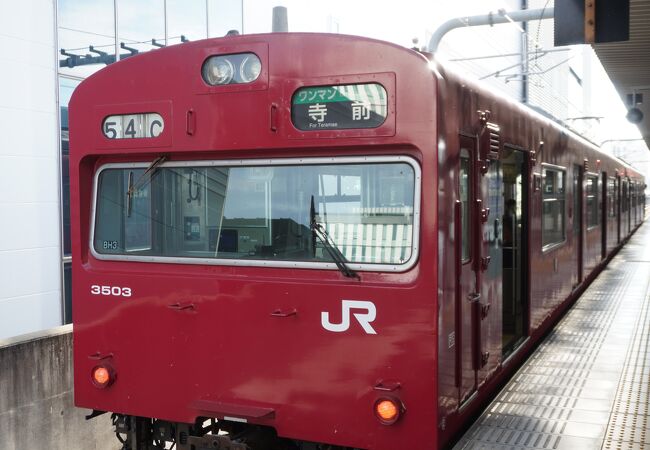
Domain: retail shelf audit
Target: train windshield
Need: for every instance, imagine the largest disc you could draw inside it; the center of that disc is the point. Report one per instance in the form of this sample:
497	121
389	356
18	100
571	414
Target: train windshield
216	211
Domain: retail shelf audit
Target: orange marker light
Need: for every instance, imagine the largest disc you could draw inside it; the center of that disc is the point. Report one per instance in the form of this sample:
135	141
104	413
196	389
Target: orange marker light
387	410
102	376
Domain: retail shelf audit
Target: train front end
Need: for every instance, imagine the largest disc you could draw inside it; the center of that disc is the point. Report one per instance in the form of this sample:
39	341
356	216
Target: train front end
254	245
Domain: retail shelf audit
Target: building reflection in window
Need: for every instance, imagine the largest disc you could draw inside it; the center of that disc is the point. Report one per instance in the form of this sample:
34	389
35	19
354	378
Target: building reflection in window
187	19
138	23
86	34
84	24
66	87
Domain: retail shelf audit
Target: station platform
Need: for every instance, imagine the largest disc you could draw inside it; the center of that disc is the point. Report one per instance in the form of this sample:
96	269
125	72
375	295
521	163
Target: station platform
587	385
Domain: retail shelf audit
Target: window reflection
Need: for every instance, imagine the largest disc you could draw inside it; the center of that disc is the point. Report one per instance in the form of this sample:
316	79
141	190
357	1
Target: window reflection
593	213
67	291
612	207
66	86
83	24
138	23
553	211
186	18
86	33
464	193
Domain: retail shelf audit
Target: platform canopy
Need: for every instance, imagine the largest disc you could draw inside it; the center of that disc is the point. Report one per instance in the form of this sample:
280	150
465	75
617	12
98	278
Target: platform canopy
628	63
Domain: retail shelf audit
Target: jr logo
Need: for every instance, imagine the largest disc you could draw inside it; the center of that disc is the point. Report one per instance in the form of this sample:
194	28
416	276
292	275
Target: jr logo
364	318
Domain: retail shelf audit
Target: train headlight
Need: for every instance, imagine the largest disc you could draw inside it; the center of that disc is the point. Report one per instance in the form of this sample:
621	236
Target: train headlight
218	70
231	69
102	376
388	410
250	68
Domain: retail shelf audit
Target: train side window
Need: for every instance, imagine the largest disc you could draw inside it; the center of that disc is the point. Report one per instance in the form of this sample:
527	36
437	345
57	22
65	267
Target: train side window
624	196
591	191
553	207
464	187
611	197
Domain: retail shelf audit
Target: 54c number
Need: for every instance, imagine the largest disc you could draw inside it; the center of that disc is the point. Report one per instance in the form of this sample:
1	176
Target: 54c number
114	291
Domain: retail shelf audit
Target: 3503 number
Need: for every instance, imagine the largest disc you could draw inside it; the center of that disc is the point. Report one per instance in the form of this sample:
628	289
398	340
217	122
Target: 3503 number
114	291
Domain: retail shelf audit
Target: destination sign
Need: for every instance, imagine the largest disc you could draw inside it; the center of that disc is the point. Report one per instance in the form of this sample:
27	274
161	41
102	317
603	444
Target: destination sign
346	106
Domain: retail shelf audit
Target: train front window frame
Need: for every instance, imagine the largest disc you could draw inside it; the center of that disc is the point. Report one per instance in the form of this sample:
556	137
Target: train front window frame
374	222
553	206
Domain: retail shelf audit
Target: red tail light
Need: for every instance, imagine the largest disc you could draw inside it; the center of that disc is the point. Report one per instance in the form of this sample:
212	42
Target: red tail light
388	410
102	376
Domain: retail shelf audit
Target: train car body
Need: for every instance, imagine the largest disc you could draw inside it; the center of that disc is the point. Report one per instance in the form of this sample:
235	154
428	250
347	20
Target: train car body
339	225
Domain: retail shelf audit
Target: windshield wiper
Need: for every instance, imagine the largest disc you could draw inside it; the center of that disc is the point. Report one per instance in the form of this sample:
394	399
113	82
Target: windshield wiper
142	181
319	232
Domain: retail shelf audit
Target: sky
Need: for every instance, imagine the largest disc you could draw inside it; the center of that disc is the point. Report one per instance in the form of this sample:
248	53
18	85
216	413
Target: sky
397	22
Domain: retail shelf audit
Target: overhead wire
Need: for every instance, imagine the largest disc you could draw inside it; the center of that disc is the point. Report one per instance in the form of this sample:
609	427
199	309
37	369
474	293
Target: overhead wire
478	71
125	40
539	27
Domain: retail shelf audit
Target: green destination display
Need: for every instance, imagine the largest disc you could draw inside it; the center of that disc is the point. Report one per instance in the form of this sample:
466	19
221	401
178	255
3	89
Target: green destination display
346	106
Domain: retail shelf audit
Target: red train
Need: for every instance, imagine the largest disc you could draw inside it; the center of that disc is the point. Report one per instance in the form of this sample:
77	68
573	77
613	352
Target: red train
305	241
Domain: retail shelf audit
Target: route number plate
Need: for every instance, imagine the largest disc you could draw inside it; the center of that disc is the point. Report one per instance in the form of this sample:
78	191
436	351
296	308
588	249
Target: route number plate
133	126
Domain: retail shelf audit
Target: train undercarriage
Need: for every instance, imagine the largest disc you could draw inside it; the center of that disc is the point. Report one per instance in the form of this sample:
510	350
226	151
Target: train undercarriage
142	433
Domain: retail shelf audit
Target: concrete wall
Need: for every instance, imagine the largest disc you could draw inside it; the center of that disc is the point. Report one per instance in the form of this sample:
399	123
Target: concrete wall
36	399
30	237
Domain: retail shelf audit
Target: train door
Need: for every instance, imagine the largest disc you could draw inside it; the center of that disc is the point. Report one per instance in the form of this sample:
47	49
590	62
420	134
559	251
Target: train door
514	250
633	199
578	225
603	215
629	206
466	293
619	208
637	203
490	265
633	202
625	214
631	196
